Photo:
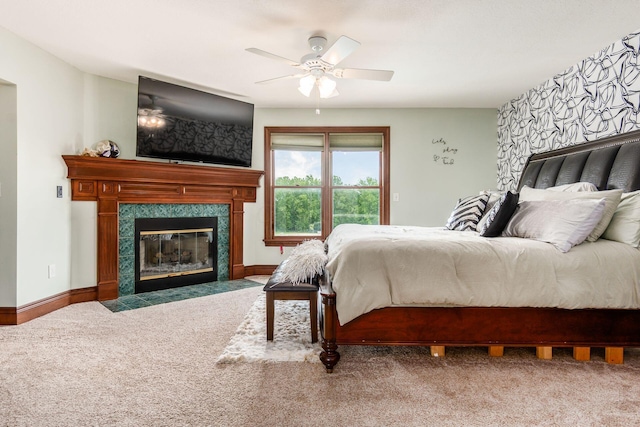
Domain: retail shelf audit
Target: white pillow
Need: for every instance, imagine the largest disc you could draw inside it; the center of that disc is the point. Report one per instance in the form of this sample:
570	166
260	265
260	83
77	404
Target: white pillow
612	198
625	223
564	224
575	187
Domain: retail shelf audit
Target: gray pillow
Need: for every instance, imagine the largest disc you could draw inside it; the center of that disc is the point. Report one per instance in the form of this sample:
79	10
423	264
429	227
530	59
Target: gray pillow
564	224
612	198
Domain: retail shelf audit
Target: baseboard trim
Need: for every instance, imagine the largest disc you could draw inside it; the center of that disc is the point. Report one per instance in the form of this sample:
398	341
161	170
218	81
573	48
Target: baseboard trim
259	270
8	316
33	310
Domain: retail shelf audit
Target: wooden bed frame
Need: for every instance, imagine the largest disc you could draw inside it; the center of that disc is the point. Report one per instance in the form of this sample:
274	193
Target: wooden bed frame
609	163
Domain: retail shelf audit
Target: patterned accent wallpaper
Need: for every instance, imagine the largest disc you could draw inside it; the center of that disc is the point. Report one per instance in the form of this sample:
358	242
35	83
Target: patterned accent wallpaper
595	98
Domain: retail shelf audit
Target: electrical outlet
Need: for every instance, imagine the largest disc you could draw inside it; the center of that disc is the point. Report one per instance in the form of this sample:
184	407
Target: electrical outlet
52	271
59	191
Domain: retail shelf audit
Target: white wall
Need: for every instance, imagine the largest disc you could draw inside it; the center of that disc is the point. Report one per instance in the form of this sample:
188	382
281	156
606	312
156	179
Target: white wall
60	110
428	189
8	194
49	123
110	108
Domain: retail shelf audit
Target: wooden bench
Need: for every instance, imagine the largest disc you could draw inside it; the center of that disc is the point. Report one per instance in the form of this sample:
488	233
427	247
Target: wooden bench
277	290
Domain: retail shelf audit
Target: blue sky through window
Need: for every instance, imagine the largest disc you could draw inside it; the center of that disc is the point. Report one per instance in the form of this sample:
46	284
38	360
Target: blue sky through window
351	166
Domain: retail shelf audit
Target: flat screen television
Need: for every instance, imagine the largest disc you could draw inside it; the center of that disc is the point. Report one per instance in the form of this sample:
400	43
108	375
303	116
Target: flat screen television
183	124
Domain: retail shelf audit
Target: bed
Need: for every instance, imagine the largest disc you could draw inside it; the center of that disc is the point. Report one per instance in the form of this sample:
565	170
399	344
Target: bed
581	302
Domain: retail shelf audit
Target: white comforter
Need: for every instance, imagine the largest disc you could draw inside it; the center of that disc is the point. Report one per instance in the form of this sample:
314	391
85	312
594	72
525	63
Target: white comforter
379	266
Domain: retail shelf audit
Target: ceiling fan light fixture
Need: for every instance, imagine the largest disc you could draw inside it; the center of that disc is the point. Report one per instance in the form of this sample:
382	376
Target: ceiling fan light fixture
306	85
327	87
150	121
323	61
151	117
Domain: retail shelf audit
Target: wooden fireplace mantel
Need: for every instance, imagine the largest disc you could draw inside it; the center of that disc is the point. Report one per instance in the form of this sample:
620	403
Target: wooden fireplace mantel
111	181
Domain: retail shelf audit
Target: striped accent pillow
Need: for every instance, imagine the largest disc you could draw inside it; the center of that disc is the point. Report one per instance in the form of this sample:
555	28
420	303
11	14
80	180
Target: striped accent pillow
467	213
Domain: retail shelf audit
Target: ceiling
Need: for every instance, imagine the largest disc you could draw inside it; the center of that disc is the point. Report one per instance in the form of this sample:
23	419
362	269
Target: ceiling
445	53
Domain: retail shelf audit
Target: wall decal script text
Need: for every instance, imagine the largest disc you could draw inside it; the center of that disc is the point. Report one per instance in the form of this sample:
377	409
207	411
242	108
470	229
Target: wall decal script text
445	157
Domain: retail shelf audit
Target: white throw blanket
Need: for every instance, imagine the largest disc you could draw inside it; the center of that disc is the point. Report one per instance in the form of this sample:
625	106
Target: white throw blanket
379	266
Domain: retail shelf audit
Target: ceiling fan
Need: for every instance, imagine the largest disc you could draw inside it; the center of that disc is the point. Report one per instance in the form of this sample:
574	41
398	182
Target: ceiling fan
151	115
317	66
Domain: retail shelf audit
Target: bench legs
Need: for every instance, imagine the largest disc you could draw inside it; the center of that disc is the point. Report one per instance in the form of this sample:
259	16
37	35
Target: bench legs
313	312
270	313
311	296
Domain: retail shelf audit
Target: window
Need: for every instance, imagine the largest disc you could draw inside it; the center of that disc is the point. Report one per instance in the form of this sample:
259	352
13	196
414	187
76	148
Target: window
318	178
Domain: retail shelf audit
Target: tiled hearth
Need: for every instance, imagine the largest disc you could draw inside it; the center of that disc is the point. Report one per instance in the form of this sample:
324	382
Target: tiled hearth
127	214
147	299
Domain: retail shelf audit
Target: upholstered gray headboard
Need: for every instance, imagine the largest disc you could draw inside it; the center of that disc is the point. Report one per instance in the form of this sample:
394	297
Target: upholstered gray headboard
609	163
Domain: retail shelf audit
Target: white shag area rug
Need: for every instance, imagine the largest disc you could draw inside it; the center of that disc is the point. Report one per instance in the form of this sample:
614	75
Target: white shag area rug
291	336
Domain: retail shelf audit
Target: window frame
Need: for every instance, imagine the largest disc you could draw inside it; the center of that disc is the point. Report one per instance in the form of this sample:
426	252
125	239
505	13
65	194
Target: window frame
327	186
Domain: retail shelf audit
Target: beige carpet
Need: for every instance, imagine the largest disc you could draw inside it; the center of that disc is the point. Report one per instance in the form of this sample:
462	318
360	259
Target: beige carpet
86	366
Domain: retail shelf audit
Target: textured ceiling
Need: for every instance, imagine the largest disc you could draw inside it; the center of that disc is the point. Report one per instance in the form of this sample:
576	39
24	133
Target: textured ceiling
445	53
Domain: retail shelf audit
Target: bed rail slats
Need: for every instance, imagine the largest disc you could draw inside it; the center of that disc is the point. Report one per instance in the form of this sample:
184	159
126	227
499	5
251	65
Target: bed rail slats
614	355
545	353
582	354
437	350
496	350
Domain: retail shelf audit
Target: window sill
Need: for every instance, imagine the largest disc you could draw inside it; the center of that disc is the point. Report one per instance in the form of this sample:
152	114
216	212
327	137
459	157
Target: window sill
290	240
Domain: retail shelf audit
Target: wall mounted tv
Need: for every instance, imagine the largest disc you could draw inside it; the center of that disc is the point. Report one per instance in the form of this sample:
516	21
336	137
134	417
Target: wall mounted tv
180	123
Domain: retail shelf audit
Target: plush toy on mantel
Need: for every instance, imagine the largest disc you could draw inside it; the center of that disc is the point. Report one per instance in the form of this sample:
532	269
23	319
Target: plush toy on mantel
107	148
104	148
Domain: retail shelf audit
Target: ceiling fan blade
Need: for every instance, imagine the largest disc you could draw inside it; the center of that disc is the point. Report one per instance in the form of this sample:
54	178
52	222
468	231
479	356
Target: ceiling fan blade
342	48
355	73
294	76
272	56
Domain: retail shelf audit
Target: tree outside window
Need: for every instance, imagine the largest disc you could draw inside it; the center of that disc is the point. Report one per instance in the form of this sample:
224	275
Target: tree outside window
318	178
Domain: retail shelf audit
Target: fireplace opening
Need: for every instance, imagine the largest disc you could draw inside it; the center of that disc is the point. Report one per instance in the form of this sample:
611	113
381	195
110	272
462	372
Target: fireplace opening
174	252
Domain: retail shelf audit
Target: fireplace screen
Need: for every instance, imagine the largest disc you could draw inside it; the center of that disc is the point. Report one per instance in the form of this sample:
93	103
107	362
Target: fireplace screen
174	252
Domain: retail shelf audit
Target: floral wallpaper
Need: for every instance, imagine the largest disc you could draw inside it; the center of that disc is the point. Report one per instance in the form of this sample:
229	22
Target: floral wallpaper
595	98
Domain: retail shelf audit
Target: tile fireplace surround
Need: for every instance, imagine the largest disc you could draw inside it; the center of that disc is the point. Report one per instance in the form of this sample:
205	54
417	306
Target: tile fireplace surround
129	212
112	182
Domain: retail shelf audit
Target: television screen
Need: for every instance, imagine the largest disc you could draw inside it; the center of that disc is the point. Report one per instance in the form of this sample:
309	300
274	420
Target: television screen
180	123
